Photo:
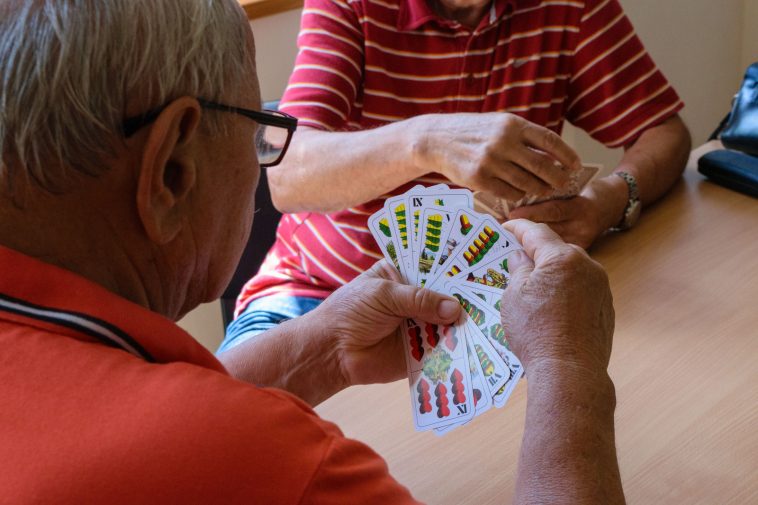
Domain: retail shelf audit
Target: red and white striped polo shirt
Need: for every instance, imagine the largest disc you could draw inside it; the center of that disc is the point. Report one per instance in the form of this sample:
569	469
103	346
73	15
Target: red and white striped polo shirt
366	63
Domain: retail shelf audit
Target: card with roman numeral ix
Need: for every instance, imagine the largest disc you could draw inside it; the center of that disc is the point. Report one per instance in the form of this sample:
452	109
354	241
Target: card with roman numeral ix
436	240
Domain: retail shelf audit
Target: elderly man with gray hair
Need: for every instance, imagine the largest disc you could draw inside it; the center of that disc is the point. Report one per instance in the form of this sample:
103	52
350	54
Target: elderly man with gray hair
126	193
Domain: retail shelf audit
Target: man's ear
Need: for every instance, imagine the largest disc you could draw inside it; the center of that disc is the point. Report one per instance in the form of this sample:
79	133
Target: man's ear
167	171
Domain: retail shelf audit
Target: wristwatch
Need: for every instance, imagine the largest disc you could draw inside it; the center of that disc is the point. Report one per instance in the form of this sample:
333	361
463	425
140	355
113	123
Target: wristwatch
633	205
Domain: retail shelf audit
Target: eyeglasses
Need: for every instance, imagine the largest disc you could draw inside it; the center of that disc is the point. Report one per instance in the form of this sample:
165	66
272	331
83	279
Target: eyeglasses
272	137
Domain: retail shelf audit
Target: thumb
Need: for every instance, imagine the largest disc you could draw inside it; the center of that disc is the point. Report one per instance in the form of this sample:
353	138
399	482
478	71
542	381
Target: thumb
423	304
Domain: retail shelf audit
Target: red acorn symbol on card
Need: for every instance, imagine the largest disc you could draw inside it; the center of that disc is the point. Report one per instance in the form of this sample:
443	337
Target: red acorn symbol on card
451	341
423	397
457	380
432	334
414	336
441	393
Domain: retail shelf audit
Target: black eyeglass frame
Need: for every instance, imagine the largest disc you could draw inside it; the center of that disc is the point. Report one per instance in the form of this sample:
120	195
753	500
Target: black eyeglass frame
132	125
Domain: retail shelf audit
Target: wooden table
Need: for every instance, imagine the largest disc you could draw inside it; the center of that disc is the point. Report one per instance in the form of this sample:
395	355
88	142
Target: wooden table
685	365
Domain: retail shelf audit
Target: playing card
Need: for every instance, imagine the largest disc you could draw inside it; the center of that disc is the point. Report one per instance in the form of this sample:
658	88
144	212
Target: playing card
397	217
487	321
435	222
417	200
435	240
439	374
490	294
578	180
482	397
494	370
499	208
489	241
379	226
462	226
494	273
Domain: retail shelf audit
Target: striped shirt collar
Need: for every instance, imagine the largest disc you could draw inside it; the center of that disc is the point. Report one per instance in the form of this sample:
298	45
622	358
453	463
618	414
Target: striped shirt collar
415	13
40	295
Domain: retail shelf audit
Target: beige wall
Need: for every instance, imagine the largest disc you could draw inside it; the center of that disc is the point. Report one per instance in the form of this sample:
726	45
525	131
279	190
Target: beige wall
698	46
276	45
750	33
702	46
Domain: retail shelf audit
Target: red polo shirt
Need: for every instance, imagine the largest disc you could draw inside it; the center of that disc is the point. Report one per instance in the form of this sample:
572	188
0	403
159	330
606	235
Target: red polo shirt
103	401
366	63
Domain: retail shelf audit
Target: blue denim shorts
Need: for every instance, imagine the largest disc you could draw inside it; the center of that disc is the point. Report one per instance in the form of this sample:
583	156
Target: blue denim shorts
263	314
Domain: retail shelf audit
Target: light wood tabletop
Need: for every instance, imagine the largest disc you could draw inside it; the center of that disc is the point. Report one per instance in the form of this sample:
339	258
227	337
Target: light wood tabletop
685	366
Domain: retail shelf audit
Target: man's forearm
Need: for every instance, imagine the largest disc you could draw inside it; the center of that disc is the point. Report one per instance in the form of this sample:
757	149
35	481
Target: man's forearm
658	158
295	356
568	455
330	171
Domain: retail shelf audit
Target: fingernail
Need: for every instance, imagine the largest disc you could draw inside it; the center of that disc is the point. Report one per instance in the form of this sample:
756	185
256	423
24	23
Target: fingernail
448	309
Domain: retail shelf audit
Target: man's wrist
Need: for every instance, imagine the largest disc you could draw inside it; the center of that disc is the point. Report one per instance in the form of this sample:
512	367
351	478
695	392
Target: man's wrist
316	372
613	194
418	136
559	376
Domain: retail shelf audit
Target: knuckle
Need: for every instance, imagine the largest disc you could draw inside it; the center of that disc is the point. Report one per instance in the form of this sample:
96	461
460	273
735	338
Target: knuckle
552	140
423	299
574	258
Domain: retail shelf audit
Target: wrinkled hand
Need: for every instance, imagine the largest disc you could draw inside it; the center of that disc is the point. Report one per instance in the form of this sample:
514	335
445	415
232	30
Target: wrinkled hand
558	307
496	152
579	220
364	317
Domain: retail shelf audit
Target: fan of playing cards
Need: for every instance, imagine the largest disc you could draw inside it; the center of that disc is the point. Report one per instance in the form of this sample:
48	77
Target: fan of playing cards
436	240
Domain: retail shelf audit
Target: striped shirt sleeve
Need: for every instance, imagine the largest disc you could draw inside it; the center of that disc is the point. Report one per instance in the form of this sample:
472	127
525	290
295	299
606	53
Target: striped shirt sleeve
616	90
327	77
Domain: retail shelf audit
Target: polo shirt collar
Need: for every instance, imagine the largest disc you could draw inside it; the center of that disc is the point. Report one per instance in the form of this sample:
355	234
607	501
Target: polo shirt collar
37	294
415	13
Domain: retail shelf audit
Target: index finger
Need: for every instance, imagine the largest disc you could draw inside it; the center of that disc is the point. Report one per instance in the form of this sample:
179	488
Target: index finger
538	240
552	143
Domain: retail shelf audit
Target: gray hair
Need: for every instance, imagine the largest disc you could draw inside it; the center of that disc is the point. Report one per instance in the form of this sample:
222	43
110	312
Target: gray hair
68	69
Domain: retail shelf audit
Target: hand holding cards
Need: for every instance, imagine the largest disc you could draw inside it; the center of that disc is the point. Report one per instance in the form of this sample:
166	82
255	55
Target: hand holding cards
501	208
435	240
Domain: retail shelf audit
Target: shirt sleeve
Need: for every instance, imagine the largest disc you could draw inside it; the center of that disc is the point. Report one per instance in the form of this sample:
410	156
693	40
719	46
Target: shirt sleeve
616	90
328	73
353	473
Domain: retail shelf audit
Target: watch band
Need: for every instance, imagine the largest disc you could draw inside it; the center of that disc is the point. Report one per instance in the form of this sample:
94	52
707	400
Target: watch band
633	205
